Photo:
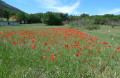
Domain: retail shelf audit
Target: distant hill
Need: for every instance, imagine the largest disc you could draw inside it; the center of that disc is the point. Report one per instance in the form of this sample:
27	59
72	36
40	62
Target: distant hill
8	7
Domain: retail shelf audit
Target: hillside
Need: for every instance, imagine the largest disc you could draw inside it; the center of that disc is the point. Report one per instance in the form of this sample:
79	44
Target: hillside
8	7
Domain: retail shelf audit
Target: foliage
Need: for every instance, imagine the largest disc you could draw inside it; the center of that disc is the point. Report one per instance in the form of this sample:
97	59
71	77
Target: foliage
63	16
21	17
74	24
84	15
52	19
1	12
34	18
6	14
90	24
11	13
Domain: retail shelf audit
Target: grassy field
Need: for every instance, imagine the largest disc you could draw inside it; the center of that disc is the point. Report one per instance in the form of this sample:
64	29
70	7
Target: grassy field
40	51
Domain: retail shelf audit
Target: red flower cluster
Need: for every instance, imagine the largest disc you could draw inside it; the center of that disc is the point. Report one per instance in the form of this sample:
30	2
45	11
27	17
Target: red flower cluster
78	54
49	40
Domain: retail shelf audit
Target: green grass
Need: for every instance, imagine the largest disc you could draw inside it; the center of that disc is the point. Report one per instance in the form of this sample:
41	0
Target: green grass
17	61
106	33
27	27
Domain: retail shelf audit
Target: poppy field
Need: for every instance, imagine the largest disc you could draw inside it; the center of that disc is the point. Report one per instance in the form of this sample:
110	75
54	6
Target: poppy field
56	52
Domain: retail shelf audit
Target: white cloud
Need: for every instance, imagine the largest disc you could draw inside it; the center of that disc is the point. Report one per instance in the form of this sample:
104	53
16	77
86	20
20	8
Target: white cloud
113	11
57	6
68	9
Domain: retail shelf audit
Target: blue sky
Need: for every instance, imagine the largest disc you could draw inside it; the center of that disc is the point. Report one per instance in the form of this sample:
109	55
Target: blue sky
74	7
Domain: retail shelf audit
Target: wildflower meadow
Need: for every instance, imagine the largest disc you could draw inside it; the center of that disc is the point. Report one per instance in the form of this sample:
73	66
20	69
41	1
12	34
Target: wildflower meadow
56	52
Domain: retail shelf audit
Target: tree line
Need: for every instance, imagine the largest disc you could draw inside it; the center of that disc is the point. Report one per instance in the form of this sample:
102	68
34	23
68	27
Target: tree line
52	18
94	21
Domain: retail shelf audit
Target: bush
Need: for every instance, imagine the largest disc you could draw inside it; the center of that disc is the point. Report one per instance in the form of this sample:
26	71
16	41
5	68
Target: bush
50	18
93	27
90	24
73	24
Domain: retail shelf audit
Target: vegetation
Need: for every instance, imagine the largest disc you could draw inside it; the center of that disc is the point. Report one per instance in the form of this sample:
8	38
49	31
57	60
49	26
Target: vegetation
57	52
6	6
52	19
68	51
21	17
90	24
1	12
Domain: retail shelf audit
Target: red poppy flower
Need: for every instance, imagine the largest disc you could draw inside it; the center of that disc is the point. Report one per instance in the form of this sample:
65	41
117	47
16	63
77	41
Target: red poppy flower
68	47
91	52
53	57
45	43
44	56
111	56
78	54
104	43
52	54
92	65
87	46
22	45
77	42
61	54
118	48
33	46
109	46
33	41
114	47
45	50
73	45
23	41
49	47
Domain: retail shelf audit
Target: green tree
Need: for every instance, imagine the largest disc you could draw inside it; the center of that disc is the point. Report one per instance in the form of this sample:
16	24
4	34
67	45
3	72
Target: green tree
11	13
22	17
84	15
6	14
1	12
52	19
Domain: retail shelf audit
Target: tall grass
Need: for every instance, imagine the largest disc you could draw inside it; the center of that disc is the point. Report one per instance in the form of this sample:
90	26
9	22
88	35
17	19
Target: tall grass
59	53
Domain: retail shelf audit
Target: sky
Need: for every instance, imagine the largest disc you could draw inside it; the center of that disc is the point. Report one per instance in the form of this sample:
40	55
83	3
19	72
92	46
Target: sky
72	7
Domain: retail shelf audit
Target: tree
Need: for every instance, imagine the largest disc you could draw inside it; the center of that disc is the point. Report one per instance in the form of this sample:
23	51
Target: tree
38	17
22	17
1	12
84	15
52	19
11	13
6	14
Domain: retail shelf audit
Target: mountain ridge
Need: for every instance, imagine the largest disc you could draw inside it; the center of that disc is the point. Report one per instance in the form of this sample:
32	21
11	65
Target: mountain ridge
6	6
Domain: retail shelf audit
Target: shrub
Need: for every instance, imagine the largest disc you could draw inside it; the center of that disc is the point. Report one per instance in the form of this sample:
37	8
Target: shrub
90	24
50	18
73	24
